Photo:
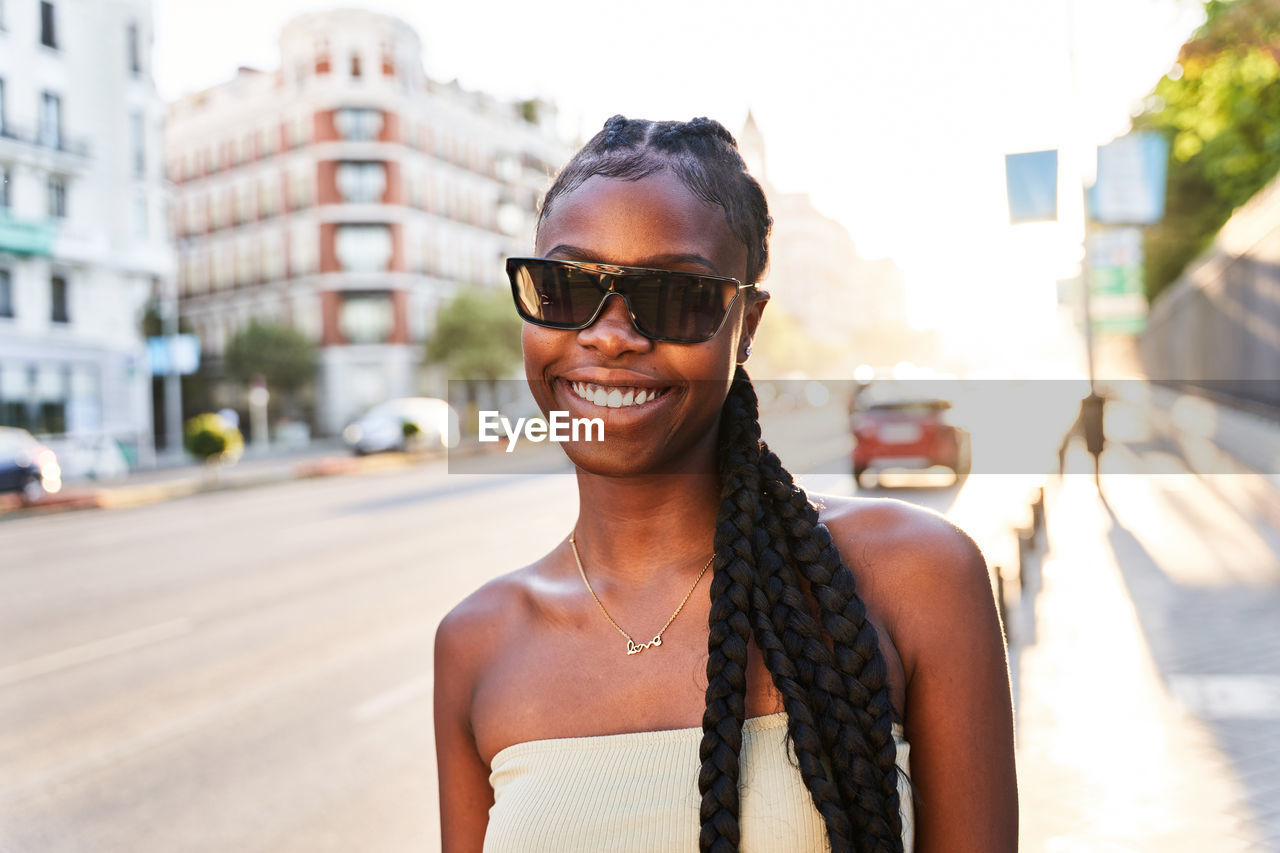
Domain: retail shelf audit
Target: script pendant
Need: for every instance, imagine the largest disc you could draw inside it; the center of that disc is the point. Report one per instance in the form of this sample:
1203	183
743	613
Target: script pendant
633	649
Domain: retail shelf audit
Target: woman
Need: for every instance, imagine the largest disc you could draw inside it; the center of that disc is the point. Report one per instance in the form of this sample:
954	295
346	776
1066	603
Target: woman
773	707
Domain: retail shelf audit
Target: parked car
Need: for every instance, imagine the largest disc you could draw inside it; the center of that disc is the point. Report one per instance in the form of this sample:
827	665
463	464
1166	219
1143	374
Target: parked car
26	465
907	432
431	423
90	457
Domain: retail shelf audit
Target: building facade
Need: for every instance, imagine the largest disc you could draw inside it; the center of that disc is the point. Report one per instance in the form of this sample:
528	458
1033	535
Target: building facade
83	233
349	195
846	305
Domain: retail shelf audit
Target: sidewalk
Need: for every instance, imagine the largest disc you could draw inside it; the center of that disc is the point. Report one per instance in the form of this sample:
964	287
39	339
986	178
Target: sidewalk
1148	653
143	487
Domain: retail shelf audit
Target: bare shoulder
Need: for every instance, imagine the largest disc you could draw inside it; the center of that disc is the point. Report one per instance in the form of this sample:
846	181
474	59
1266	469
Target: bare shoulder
931	582
477	627
467	642
922	570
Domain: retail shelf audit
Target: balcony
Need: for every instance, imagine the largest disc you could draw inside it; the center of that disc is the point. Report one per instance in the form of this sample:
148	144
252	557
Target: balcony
26	237
55	142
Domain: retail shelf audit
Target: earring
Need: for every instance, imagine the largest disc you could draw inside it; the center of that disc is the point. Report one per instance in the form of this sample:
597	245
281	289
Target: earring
748	355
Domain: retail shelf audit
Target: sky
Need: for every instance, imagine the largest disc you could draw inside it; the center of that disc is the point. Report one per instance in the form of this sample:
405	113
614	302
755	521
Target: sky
894	116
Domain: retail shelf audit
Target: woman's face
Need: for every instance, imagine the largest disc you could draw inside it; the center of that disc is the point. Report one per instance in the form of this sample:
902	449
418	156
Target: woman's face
659	223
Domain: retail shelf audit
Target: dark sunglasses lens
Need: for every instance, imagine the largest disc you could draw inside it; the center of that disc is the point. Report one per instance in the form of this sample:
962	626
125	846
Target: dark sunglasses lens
678	307
553	294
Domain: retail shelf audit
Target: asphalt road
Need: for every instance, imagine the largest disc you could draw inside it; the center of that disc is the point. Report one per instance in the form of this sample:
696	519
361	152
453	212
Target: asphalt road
251	670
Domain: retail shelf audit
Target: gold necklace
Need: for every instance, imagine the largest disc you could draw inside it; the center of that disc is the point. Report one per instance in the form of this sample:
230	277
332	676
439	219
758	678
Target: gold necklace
634	648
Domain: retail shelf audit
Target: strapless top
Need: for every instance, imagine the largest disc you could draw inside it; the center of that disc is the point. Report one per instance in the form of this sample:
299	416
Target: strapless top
638	792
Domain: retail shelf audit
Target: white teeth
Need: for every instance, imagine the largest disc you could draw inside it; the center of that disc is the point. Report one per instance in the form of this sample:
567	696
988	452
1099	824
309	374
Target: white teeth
613	397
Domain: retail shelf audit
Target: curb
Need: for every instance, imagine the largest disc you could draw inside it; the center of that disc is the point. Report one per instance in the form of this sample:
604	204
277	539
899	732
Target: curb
13	507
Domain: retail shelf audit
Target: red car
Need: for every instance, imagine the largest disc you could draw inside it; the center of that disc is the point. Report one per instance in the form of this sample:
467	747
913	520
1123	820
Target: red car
907	433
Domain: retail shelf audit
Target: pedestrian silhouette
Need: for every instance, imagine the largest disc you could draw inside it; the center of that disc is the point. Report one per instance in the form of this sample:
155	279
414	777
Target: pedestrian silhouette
1089	426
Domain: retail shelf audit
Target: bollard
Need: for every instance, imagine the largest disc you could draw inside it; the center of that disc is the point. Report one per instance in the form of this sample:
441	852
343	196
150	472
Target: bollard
1000	605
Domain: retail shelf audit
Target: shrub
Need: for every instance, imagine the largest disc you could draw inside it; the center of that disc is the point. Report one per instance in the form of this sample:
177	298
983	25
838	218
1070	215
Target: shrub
211	438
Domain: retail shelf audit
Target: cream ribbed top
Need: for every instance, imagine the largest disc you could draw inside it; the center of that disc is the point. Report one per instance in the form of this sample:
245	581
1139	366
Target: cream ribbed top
638	792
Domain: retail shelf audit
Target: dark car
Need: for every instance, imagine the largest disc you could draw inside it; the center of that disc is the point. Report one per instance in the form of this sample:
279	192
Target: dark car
26	465
907	432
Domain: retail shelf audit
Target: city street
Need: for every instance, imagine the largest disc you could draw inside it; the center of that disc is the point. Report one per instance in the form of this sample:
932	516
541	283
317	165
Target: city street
251	669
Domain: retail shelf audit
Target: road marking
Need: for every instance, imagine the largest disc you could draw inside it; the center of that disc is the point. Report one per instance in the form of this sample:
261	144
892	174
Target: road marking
1229	697
384	702
91	651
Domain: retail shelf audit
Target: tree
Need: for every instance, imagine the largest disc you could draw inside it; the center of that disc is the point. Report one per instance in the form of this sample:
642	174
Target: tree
1220	110
477	336
282	356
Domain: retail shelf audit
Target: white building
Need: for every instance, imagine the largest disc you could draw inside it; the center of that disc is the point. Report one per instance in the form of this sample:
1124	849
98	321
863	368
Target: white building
83	235
347	194
842	301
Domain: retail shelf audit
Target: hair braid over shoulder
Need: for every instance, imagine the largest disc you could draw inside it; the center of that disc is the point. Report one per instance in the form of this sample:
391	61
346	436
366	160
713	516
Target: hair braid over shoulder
836	698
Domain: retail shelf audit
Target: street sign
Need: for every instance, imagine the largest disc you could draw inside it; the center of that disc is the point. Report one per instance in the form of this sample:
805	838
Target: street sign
1131	180
1117	299
1032	181
175	354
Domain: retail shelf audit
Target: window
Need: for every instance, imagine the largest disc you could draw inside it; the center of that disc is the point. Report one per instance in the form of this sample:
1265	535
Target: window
243	203
361	182
140	224
133	47
355	66
48	37
6	294
138	132
1	103
363	248
58	299
51	120
6	200
58	196
358	124
366	317
299	189
269	197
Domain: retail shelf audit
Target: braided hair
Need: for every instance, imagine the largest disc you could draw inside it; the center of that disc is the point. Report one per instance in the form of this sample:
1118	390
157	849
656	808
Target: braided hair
826	661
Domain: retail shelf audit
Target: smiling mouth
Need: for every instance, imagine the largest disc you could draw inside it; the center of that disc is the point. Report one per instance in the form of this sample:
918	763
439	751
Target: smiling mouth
616	396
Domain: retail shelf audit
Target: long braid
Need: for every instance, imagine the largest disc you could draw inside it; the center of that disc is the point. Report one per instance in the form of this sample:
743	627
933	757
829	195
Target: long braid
743	434
865	746
731	590
771	554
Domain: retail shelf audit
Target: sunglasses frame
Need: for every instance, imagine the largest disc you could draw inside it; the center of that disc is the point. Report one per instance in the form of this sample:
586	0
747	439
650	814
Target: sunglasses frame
611	273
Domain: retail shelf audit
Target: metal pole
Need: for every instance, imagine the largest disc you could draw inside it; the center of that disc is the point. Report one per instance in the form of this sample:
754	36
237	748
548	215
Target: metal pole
1086	304
1086	298
172	381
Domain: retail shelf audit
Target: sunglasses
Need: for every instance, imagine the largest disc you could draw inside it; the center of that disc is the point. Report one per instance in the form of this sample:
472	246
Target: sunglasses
679	307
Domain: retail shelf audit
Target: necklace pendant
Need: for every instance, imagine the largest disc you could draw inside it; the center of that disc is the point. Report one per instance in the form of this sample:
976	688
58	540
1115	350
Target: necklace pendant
634	649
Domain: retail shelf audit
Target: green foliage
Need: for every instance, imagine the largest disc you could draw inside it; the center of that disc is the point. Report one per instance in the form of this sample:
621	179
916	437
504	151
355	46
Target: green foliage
1220	110
211	438
280	354
153	323
477	335
530	110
